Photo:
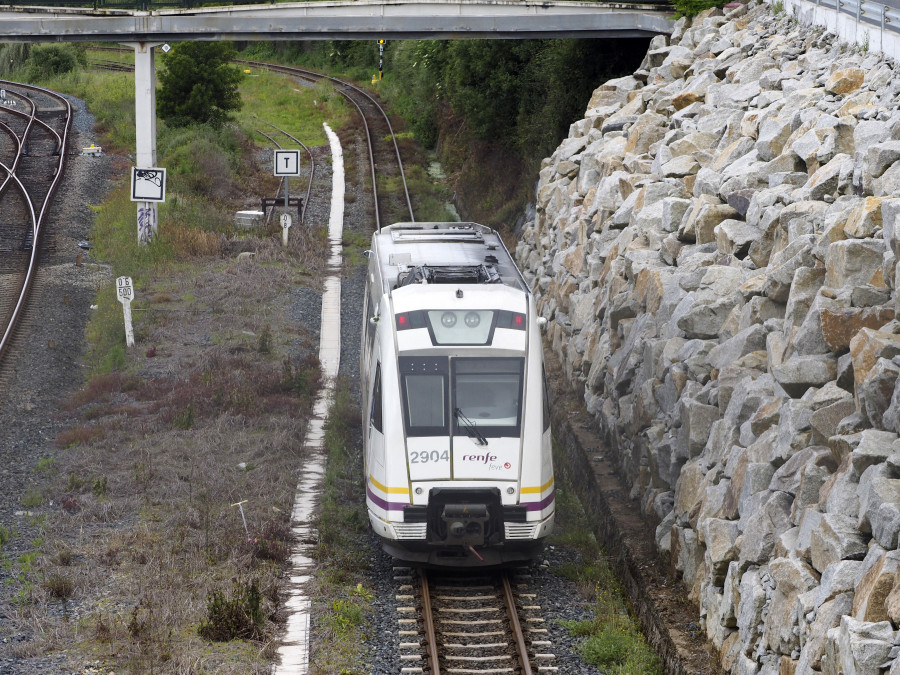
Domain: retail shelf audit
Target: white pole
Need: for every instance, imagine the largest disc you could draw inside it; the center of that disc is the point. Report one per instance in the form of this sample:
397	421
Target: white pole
129	329
287	200
125	294
145	131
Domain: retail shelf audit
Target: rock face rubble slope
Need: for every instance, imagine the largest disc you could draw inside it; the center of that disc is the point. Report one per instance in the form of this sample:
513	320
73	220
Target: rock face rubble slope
715	246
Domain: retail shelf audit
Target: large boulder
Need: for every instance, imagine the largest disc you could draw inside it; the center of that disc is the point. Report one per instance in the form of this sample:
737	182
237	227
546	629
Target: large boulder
869	603
879	507
877	389
836	539
841	324
863	646
867	347
799	373
764	525
854	262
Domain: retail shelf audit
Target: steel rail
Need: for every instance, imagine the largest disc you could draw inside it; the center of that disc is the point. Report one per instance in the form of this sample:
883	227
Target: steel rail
412	217
39	217
312	167
35	119
315	77
515	624
431	649
281	182
20	140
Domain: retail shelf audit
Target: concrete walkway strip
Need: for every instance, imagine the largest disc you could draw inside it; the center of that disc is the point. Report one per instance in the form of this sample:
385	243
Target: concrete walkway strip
293	654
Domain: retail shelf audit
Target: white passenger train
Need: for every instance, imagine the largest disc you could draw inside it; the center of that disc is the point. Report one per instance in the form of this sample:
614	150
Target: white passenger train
456	420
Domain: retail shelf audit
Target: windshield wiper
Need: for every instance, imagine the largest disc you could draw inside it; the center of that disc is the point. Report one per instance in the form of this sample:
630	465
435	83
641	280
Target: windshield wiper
470	427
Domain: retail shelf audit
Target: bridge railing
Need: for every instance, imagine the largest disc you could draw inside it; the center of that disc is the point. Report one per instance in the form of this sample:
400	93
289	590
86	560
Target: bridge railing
147	5
139	5
885	16
869	24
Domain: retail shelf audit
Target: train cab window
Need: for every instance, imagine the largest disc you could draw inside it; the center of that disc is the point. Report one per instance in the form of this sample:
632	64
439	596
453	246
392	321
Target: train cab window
376	400
488	392
424	389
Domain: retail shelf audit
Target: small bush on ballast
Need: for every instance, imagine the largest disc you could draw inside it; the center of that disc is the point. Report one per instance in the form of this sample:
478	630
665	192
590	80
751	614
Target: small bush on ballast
238	617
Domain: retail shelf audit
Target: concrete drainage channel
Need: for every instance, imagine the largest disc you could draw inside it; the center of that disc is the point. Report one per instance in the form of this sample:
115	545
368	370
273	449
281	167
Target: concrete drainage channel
293	654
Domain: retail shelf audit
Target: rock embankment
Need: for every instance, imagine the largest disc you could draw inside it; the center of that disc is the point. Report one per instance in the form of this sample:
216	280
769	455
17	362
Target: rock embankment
716	248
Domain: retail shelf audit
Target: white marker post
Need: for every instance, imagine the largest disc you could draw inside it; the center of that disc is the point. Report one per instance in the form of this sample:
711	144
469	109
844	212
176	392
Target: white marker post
287	163
125	294
285	226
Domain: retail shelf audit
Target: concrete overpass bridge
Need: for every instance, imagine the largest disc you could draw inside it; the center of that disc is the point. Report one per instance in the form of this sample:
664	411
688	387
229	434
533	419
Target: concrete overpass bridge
337	20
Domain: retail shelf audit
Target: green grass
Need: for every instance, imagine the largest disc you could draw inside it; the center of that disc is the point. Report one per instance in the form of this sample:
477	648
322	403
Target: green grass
111	97
343	600
32	498
282	101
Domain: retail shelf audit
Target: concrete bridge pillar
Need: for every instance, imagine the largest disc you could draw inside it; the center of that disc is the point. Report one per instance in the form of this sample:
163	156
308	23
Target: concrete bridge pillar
145	130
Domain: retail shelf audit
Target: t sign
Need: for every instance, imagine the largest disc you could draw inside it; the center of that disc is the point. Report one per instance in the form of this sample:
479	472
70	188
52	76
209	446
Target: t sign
287	162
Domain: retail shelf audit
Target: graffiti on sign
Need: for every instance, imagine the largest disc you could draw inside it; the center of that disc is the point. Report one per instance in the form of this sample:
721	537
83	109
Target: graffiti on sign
146	217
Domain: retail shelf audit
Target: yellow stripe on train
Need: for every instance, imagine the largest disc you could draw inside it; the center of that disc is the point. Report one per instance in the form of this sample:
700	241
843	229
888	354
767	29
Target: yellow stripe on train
537	490
389	490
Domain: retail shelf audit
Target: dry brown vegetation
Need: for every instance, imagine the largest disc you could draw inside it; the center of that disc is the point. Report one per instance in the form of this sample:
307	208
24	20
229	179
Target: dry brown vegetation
146	565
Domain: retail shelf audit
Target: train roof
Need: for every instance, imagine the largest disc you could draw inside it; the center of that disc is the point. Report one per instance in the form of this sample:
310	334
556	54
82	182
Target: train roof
444	253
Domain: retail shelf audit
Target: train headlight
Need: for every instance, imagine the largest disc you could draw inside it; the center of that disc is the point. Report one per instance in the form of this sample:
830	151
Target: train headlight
419	490
510	490
472	319
448	319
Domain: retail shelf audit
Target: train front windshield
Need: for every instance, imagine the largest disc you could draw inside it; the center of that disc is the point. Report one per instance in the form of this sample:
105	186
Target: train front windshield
482	392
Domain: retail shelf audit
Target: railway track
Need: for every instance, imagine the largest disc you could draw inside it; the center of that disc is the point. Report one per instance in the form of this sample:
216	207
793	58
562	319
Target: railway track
465	623
106	64
312	167
384	152
34	128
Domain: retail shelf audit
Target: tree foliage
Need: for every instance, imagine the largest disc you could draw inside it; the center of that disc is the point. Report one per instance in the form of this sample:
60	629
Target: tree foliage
694	7
47	60
198	84
522	94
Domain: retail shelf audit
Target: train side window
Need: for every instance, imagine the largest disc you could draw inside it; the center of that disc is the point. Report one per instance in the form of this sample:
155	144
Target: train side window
376	400
369	328
546	399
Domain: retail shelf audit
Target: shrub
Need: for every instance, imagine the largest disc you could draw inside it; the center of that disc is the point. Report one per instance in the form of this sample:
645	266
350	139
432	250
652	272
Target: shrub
32	498
47	60
235	616
344	615
59	586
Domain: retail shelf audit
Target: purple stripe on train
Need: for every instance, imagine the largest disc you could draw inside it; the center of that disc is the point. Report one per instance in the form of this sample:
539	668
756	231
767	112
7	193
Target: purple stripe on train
541	505
398	506
383	503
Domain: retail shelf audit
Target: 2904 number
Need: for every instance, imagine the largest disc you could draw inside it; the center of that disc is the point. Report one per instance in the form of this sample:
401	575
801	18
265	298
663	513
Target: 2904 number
426	456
